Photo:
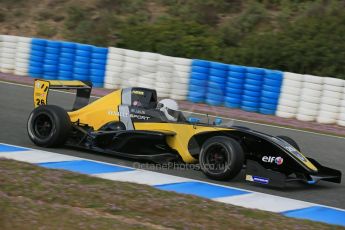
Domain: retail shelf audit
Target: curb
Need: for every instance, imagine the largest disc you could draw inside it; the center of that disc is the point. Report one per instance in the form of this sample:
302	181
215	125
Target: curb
226	194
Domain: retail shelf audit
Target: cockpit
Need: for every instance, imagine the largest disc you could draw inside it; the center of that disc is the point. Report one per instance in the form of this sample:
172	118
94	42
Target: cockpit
147	99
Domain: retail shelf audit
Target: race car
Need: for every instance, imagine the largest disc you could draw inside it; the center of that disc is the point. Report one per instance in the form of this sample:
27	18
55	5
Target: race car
132	123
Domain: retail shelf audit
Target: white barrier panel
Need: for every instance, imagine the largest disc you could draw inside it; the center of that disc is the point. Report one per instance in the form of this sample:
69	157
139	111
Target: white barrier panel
341	117
114	68
310	98
332	92
129	68
8	53
289	97
22	56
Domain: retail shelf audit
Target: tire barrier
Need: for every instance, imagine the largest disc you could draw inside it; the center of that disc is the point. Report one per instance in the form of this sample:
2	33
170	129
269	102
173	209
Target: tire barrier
8	53
235	86
289	96
22	56
113	71
310	98
66	61
130	69
271	92
37	56
198	81
51	60
98	65
252	89
216	84
180	78
82	62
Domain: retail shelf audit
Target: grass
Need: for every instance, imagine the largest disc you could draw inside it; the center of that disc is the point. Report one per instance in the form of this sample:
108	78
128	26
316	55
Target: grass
32	197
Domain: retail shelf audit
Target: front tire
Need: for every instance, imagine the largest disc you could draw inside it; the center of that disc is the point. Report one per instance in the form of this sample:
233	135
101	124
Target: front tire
221	158
48	126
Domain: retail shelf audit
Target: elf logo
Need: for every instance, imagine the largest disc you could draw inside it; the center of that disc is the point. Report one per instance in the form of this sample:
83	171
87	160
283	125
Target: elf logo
269	159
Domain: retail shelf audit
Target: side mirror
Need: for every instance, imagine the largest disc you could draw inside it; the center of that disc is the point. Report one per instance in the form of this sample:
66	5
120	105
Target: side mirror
193	120
217	121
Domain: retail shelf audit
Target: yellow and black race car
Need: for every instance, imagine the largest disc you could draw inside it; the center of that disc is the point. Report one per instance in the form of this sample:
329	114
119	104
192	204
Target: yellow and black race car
132	123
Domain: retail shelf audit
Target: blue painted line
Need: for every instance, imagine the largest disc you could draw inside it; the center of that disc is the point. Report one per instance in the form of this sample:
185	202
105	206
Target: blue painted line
319	213
85	167
201	189
9	148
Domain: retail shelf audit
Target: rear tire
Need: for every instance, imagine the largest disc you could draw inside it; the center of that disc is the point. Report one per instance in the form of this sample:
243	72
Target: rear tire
221	158
48	126
290	141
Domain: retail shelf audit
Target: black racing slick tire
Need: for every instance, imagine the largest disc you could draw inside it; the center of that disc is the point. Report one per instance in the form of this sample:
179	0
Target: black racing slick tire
221	158
49	126
290	141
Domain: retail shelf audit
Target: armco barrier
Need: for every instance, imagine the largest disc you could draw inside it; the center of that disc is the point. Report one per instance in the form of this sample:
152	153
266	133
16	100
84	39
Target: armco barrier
284	94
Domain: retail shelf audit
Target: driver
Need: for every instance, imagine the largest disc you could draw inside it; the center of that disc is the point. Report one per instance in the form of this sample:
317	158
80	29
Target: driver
170	109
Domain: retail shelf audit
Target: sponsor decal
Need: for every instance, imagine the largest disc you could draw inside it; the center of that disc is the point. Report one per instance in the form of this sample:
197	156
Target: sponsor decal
40	94
249	177
290	148
138	111
296	153
137	92
261	180
119	114
270	159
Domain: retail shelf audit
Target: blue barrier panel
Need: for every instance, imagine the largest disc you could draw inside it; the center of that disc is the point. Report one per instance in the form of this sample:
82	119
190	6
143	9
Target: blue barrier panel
200	69
37	56
201	63
82	62
51	60
250	99
216	83
235	86
270	93
234	91
254	70
198	80
232	101
97	65
269	100
198	89
252	89
219	66
66	60
199	76
237	68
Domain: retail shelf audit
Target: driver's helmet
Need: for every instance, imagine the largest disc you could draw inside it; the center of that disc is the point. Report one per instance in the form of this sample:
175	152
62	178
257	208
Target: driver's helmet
170	109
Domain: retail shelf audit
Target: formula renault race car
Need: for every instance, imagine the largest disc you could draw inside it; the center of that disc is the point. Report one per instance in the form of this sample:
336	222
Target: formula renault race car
132	123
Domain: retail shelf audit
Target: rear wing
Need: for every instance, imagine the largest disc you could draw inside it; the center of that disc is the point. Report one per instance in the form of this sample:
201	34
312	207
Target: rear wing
41	90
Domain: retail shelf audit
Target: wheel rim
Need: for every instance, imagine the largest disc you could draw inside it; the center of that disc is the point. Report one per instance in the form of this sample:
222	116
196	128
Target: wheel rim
43	126
216	158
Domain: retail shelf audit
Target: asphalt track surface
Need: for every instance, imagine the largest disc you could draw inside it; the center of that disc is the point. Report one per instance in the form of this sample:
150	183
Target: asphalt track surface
16	103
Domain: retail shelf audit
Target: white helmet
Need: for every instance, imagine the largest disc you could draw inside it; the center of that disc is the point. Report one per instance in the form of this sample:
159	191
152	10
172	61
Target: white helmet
169	108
